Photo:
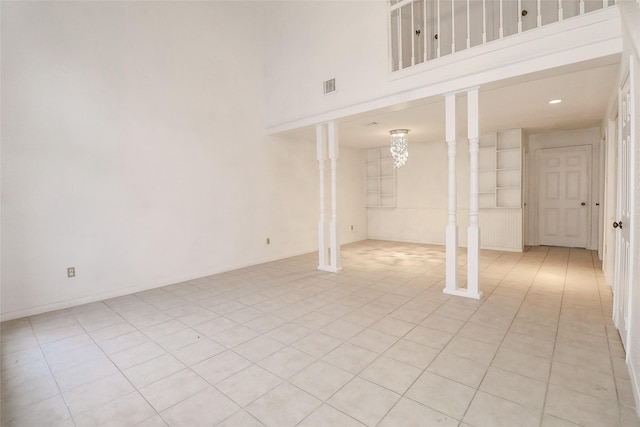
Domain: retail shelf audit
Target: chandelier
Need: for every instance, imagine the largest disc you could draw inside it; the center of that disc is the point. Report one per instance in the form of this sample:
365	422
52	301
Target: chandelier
399	146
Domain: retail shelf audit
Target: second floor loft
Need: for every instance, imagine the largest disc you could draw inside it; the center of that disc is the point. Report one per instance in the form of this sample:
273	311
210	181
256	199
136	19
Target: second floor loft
348	43
422	30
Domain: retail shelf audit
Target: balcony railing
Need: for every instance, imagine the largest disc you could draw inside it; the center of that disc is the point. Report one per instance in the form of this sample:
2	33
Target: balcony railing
421	30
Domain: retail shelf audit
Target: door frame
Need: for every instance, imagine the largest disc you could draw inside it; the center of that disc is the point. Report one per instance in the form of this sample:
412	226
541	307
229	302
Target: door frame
588	223
610	198
627	74
586	137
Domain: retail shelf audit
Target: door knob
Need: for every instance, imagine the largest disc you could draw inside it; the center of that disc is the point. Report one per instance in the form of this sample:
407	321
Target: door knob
583	204
617	224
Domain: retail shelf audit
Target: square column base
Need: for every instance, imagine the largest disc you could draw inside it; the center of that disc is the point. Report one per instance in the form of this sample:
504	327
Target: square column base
463	293
329	269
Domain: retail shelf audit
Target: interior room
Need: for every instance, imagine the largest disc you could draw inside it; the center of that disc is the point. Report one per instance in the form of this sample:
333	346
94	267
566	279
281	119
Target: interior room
202	222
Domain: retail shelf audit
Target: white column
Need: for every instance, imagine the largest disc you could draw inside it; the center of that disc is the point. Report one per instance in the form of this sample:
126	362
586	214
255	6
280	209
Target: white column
333	226
321	143
451	286
473	236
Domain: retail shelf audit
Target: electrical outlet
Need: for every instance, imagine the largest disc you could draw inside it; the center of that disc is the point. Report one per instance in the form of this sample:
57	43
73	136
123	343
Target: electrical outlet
71	272
268	241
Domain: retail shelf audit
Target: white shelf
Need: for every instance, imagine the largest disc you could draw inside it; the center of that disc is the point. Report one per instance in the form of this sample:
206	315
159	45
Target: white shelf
500	169
508	159
381	178
488	140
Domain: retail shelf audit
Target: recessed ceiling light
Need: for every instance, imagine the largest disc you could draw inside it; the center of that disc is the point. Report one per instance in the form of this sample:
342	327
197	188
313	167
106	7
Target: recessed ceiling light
555	101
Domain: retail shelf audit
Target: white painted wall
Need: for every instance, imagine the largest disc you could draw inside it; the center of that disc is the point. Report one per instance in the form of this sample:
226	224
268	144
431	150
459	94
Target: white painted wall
557	139
133	148
351	190
349	43
420	214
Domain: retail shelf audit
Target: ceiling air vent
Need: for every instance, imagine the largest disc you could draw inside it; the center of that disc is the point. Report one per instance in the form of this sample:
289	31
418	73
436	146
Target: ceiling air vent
329	86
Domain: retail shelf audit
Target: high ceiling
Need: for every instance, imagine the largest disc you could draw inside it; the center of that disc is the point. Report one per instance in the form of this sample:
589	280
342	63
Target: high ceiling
585	89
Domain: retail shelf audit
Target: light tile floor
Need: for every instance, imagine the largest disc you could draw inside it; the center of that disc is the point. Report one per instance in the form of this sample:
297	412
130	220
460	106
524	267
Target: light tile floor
282	344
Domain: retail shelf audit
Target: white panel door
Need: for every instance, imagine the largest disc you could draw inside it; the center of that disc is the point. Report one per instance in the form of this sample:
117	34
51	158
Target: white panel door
563	196
623	275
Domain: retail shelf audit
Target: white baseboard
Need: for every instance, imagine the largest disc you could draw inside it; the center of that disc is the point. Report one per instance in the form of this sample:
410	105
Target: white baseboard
60	305
491	248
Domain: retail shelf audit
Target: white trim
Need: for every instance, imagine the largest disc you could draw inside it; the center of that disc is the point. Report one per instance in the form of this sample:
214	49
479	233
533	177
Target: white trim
610	197
463	293
44	308
536	175
531	179
434	243
330	269
635	378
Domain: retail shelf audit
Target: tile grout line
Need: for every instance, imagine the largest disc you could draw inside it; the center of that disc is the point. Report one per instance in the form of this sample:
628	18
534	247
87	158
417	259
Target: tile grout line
555	341
310	288
507	330
136	390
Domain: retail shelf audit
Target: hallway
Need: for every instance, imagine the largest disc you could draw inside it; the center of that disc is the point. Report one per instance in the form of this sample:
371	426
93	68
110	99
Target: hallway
282	344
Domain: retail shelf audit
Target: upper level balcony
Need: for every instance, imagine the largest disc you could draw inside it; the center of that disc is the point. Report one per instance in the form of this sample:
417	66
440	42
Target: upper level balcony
423	30
386	56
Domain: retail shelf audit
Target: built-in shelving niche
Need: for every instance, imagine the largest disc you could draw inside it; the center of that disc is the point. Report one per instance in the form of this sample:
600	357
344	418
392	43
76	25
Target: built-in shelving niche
500	170
381	178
